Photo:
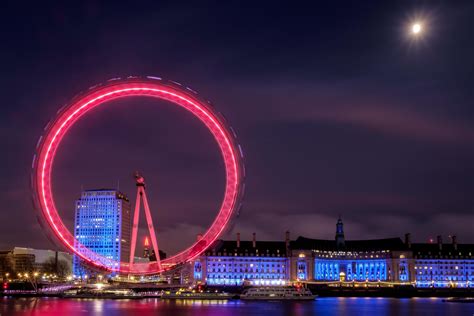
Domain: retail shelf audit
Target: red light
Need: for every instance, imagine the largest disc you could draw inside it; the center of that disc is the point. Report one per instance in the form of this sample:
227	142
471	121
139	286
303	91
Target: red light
116	89
146	243
5	285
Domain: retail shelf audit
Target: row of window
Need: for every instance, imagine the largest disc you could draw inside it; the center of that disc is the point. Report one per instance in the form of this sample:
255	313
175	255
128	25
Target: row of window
444	278
256	265
248	270
247	276
430	272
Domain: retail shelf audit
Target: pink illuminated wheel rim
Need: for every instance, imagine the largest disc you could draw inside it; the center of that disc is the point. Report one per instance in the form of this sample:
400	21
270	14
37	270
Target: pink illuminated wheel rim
129	87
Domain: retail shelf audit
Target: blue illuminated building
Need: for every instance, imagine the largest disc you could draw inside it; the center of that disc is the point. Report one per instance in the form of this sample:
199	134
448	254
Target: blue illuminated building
102	225
244	262
357	260
339	260
383	262
444	265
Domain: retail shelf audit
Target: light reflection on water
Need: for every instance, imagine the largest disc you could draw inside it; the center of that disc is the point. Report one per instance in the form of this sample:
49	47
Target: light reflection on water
322	306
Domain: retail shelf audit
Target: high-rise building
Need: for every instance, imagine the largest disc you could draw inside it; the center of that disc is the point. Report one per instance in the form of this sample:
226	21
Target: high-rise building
146	248
102	225
150	254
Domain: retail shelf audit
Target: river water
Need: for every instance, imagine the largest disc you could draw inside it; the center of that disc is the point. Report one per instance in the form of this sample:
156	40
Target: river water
321	306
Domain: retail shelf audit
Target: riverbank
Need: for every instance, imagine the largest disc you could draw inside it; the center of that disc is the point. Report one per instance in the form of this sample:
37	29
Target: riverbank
342	306
321	291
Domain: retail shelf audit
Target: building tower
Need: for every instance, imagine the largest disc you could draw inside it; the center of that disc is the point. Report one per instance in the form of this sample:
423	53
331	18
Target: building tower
340	241
102	225
146	248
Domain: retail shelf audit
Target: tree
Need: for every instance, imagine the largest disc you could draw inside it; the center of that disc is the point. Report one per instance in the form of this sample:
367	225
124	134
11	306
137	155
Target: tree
60	268
6	264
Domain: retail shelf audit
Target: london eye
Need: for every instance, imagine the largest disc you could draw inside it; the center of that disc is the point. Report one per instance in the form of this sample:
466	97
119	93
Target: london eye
103	95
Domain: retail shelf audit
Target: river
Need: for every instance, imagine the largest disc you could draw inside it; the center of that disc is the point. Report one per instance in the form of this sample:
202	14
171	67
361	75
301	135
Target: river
321	306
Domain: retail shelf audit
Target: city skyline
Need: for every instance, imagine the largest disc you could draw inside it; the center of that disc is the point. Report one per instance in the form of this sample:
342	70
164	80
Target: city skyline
353	134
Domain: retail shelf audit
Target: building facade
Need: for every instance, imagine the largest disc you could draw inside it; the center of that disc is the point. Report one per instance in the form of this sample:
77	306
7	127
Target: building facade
384	262
102	225
443	265
21	260
236	263
376	260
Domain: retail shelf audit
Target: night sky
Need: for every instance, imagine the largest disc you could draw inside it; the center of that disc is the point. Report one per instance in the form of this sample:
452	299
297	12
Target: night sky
338	109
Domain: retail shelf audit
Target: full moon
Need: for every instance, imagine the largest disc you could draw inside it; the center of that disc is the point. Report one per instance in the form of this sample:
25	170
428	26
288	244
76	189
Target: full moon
416	28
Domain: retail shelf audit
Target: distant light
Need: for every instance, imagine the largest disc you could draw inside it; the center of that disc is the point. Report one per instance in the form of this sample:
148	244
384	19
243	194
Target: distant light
416	28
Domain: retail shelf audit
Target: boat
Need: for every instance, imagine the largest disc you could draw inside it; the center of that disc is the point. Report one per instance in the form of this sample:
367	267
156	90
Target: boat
278	293
102	294
197	295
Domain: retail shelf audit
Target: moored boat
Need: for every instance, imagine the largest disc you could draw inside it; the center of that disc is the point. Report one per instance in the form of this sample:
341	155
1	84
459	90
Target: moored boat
102	294
277	293
197	295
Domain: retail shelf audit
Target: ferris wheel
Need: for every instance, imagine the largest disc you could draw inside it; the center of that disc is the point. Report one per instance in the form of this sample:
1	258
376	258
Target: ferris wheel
103	95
